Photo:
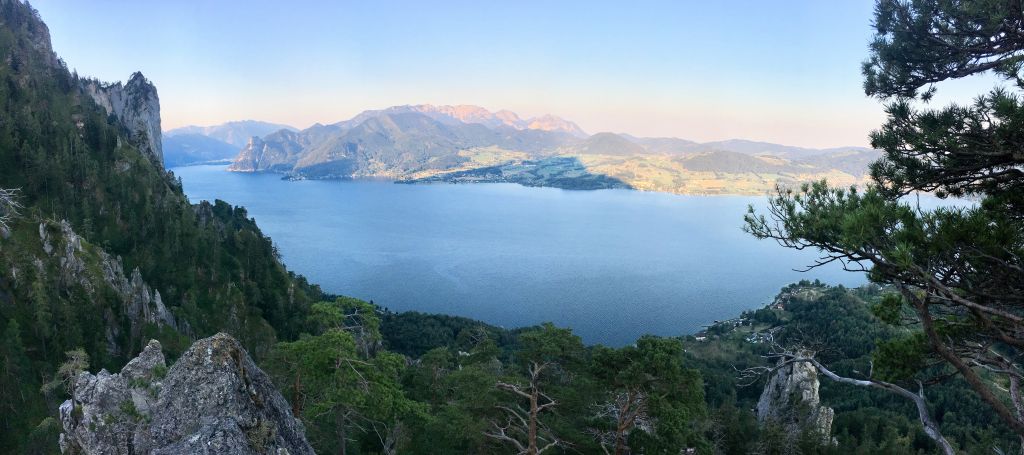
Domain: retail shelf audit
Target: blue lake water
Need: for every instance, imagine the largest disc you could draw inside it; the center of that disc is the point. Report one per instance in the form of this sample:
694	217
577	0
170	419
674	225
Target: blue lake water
611	264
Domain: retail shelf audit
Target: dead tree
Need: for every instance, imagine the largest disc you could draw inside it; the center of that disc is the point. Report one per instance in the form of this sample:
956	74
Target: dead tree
787	357
627	410
522	427
9	207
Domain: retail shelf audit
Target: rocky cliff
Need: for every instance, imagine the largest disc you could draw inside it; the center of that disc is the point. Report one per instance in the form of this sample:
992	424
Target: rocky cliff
791	398
214	399
71	263
277	152
137	106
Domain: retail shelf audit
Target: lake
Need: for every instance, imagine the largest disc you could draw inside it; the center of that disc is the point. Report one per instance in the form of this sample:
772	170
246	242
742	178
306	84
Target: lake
610	264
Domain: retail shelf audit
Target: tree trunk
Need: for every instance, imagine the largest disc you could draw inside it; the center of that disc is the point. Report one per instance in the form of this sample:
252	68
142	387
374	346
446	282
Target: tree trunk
296	395
1018	403
969	375
620	441
621	425
531	437
339	422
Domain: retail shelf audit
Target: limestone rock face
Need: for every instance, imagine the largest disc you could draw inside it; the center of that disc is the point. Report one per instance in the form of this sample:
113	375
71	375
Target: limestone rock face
791	398
250	157
107	409
213	400
277	152
140	303
137	106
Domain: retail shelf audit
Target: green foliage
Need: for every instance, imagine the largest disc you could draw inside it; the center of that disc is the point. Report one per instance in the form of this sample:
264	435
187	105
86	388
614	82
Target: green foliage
921	42
71	161
888	309
900	358
958	270
216	271
413	333
77	362
840	324
127	407
341	385
548	345
651	389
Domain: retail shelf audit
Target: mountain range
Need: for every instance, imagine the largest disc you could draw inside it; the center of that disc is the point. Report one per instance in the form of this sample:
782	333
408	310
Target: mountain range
464	143
189	145
235	133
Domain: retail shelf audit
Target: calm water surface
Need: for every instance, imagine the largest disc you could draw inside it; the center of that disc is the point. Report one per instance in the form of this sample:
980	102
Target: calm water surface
611	264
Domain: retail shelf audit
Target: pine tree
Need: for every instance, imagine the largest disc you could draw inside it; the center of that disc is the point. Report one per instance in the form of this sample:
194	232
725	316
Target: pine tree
957	273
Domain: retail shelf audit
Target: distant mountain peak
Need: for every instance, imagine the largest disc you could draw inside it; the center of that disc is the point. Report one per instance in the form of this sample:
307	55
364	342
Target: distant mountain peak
469	113
548	122
508	116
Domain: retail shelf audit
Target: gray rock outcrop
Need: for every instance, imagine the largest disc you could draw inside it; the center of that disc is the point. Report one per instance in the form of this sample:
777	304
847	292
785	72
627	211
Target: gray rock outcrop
137	106
213	400
140	303
791	398
277	152
107	409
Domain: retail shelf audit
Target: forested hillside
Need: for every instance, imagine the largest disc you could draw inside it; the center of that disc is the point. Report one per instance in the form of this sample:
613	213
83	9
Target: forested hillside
101	249
841	327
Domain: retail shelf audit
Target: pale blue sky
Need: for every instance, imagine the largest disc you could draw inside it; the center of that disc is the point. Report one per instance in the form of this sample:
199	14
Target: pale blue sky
781	71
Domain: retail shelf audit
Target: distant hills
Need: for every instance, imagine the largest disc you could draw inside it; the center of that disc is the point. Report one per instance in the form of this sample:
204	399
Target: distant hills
236	133
212	144
464	143
402	141
468	114
192	148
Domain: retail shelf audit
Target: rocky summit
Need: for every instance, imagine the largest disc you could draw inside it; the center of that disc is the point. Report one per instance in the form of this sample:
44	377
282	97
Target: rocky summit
214	399
791	398
137	106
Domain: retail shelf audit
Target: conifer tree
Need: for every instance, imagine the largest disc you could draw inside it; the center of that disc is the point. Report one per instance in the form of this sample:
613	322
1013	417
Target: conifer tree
957	273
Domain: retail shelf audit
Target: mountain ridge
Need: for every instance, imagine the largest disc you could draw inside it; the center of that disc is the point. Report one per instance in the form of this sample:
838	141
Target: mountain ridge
235	132
465	143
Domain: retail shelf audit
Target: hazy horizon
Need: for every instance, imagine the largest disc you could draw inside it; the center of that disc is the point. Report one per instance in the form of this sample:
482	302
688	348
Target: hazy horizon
786	74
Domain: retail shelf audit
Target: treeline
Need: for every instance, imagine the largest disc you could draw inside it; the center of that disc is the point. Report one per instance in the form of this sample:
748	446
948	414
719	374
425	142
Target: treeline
483	390
461	386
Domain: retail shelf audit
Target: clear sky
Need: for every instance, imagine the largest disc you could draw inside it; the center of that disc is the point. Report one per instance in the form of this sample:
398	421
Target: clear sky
783	71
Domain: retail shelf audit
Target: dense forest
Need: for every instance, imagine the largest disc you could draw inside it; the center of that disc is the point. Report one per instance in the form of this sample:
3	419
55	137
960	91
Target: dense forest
100	251
70	161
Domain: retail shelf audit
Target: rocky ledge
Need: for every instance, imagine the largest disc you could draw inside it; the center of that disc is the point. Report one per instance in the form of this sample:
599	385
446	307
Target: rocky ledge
213	400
